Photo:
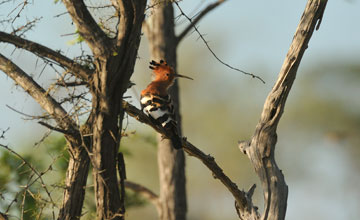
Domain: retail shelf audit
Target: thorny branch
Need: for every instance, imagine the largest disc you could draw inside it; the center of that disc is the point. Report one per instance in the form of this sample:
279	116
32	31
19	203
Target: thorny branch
210	49
21	6
43	51
37	173
209	161
24	28
38	93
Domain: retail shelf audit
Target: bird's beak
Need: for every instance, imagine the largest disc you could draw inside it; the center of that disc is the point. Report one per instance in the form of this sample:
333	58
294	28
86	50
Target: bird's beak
178	75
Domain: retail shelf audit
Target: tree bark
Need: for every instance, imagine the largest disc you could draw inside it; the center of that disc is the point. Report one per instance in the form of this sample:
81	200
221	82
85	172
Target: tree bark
114	60
79	162
261	149
171	162
75	182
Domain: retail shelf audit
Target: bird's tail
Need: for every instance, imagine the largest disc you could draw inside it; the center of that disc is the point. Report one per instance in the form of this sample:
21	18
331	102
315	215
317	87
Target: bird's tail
176	140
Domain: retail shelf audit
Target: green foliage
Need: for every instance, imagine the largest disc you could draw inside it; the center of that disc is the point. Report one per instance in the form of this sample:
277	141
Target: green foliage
15	179
57	147
20	184
77	39
133	199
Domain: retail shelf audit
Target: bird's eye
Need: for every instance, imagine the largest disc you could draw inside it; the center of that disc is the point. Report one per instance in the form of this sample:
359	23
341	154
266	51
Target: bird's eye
167	74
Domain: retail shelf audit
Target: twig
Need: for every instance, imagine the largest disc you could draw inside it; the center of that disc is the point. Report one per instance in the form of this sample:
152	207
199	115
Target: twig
193	22
39	175
22	8
211	51
24	28
2	136
47	102
30	117
54	128
42	51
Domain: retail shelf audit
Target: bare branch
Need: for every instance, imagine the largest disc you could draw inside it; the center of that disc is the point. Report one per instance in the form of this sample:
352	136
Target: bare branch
212	52
38	93
37	173
193	22
43	51
53	128
144	192
207	160
97	40
71	84
262	146
26	27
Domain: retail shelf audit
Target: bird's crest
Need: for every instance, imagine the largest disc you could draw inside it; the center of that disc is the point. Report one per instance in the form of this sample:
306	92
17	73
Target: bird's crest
160	67
164	72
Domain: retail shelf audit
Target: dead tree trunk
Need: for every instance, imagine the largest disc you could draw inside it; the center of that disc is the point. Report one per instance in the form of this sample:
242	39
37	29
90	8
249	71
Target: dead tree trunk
171	162
261	148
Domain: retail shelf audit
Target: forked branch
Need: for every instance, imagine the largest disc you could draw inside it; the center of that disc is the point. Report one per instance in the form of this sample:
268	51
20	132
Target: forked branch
97	40
261	148
49	104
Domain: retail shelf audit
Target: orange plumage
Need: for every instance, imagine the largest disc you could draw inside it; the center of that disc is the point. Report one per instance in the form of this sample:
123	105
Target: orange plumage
164	78
156	102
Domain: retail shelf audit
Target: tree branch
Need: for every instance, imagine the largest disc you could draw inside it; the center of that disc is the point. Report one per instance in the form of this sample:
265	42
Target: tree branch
262	146
145	192
193	22
239	195
43	51
97	40
38	93
53	128
71	84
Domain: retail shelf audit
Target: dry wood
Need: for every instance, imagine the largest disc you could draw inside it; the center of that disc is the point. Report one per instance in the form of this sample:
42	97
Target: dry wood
42	51
78	163
38	93
114	64
97	40
261	148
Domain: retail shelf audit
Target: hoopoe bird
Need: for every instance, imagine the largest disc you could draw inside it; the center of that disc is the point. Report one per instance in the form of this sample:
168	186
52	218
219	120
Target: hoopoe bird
156	101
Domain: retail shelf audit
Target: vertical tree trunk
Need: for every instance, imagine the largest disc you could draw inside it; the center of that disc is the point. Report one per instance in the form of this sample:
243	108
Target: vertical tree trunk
75	182
107	125
171	162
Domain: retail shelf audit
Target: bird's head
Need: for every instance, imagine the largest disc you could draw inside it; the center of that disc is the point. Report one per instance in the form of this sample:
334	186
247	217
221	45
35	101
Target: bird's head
164	73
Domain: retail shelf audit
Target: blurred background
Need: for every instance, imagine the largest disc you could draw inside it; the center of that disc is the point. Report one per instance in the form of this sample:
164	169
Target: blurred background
318	135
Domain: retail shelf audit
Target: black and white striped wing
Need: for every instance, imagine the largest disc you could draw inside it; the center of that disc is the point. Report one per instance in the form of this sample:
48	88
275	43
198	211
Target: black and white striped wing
159	108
